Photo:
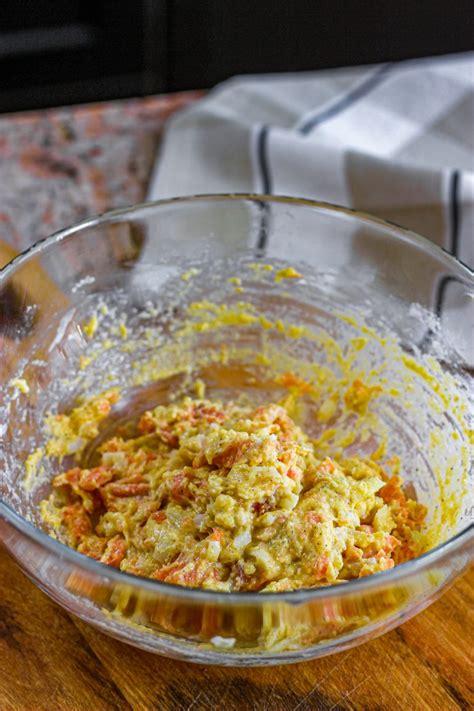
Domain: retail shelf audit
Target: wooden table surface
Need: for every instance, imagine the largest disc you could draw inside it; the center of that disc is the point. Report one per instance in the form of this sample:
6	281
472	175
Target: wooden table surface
59	166
50	660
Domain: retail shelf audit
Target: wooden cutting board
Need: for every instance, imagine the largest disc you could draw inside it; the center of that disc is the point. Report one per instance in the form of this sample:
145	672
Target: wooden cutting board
50	660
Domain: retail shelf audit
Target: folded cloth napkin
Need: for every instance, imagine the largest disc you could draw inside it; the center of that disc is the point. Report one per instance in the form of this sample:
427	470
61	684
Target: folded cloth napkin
395	140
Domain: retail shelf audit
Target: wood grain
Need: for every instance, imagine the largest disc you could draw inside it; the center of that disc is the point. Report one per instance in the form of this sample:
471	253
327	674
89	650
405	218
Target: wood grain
51	661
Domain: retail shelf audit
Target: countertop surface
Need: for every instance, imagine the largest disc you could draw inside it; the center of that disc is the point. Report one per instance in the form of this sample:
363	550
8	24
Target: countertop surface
60	166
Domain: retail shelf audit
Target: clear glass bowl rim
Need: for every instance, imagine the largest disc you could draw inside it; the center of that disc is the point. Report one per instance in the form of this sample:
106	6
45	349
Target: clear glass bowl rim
366	584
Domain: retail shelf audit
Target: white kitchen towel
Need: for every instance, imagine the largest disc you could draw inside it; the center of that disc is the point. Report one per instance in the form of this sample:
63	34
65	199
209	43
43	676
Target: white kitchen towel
395	140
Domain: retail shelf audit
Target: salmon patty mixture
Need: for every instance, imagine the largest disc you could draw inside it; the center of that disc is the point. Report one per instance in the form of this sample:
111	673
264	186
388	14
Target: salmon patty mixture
225	497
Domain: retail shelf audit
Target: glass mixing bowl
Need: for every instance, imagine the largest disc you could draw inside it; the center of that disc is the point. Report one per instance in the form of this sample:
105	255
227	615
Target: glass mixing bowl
131	275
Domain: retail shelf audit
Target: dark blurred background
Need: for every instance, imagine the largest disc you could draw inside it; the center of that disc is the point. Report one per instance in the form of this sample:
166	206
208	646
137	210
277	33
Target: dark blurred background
56	52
